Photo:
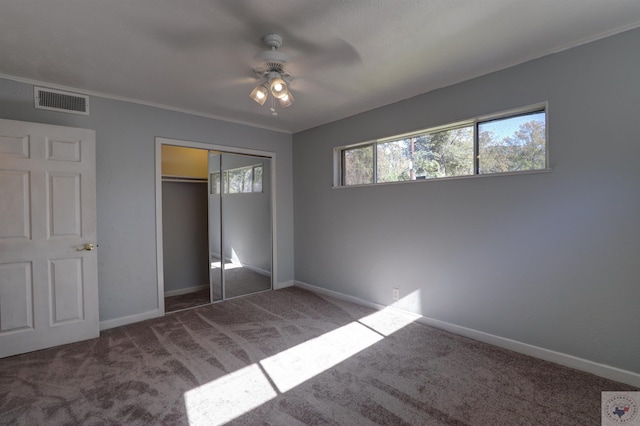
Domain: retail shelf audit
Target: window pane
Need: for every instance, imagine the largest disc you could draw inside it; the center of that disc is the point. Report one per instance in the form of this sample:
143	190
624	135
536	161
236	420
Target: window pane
395	161
246	179
235	181
257	179
214	183
513	144
443	154
358	165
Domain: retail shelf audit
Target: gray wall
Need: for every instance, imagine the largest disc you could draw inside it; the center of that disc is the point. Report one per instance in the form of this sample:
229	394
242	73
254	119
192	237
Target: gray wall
185	246
125	152
550	259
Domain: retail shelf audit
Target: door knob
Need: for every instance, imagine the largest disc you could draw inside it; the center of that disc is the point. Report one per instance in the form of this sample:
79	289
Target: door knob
87	247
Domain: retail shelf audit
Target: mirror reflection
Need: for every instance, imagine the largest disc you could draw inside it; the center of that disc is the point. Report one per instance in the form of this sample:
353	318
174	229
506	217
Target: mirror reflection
246	224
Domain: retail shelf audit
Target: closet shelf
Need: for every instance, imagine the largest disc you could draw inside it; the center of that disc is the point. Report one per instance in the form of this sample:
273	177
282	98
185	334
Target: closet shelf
184	179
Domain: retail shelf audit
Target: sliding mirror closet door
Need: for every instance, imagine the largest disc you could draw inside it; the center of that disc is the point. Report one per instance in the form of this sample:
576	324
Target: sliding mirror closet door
215	226
246	224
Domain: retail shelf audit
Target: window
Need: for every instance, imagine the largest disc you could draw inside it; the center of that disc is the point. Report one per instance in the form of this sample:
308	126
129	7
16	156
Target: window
238	181
214	183
513	142
425	156
256	182
358	165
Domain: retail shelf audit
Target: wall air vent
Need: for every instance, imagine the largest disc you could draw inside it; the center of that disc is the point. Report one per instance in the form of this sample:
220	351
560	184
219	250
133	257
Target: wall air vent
57	100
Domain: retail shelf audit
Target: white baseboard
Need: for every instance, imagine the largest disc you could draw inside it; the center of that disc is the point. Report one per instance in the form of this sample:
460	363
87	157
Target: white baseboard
602	370
185	290
284	284
338	295
117	322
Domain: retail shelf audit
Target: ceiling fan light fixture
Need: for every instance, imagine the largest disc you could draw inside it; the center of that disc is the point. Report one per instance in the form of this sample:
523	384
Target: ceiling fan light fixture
279	88
286	100
273	78
260	94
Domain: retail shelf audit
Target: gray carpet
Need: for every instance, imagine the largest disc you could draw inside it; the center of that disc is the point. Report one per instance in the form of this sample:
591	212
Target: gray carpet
189	300
275	358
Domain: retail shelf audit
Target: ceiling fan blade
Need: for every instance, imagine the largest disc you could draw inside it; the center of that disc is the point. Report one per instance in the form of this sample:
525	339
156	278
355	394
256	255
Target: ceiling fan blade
199	38
260	19
247	15
234	82
337	52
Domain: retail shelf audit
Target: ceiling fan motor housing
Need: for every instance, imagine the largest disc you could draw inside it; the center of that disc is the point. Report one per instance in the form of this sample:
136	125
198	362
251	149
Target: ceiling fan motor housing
272	41
273	56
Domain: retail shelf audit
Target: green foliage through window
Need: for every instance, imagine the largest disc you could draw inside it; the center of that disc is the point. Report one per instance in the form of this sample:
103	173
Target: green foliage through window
424	156
238	181
511	143
358	165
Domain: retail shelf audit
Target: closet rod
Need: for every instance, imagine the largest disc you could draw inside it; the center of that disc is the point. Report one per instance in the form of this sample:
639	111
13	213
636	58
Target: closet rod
184	179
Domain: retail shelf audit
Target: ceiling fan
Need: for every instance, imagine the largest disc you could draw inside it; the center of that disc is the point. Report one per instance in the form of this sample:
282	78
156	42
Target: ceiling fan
273	78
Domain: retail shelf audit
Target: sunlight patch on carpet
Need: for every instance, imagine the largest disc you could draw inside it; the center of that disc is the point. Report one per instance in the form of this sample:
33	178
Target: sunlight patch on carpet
224	399
237	393
295	366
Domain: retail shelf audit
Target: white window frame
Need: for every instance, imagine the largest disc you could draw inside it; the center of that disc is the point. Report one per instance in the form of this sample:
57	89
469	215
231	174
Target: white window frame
475	122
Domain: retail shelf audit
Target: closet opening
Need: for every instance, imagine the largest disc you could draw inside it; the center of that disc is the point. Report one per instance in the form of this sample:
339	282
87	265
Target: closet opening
215	223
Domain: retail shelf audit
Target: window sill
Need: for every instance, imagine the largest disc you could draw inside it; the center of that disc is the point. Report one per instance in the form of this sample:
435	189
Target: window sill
486	175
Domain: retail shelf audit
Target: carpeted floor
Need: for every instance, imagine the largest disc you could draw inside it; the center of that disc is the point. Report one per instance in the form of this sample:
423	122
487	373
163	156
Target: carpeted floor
291	357
189	300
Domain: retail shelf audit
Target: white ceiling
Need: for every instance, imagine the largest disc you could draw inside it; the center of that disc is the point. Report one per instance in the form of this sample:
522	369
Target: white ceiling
348	56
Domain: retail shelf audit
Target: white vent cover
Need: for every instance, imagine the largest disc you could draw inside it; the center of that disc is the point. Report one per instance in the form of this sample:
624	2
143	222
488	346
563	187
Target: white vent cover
57	100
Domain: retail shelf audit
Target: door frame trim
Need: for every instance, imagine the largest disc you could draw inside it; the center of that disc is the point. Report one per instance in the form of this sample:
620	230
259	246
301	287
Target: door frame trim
158	181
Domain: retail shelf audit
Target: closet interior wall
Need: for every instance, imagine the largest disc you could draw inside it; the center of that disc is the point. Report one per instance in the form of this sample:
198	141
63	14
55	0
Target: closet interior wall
184	229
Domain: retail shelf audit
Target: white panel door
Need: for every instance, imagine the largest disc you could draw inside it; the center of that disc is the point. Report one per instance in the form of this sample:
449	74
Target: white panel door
48	265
